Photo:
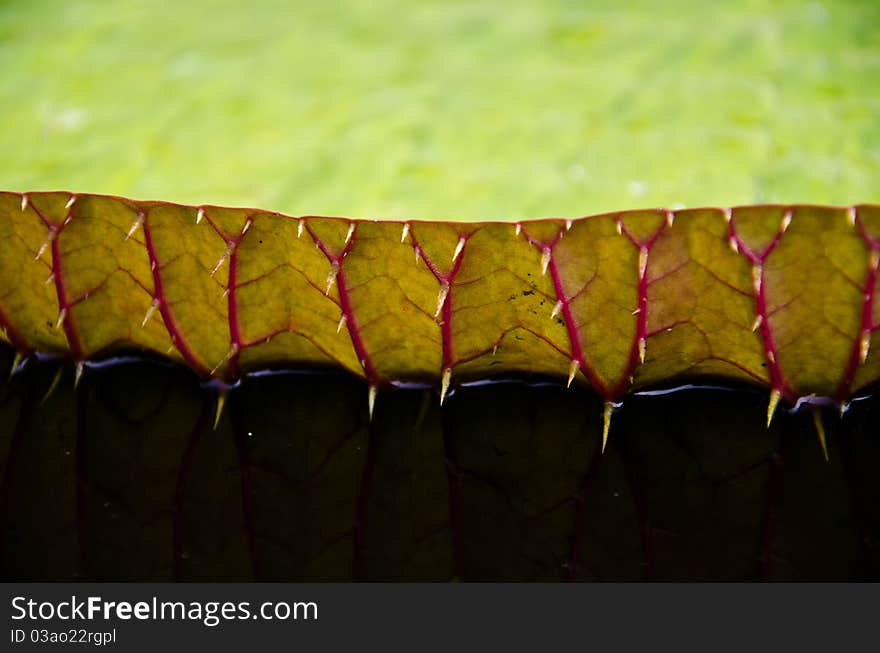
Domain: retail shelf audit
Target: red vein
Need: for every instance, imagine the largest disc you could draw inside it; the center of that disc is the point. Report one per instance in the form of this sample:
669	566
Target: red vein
581	516
636	487
236	344
247	494
182	485
446	281
360	525
64	304
866	323
351	323
174	331
758	259
577	353
641	334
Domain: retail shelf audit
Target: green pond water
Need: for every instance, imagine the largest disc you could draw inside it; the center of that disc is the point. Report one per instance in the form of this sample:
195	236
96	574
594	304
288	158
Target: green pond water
444	109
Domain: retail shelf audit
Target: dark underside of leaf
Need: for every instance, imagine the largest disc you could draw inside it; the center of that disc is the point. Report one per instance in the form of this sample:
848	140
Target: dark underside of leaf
124	478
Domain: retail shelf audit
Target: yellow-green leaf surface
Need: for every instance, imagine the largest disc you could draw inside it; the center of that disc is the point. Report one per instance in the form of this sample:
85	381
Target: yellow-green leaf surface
779	296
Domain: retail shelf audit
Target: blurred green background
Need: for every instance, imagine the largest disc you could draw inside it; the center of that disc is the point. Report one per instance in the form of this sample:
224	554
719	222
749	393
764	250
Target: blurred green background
444	109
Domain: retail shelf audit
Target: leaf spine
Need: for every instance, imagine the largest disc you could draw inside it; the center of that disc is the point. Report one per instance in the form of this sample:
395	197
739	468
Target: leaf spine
150	310
545	260
371	400
331	276
786	221
820	431
458	248
759	320
55	381
757	277
775	396
62	315
441	298
134	227
219	404
643	261
444	384
606	423
572	371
